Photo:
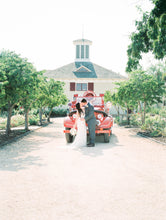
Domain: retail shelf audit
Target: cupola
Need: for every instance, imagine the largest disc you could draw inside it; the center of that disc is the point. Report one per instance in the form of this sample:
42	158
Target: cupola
82	50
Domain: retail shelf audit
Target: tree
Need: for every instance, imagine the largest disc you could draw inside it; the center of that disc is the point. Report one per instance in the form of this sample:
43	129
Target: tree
30	92
54	94
141	90
3	82
124	97
150	35
146	90
16	71
41	97
158	70
113	98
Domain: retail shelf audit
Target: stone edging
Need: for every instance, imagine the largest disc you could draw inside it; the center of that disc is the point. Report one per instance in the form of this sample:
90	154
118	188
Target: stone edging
150	138
21	135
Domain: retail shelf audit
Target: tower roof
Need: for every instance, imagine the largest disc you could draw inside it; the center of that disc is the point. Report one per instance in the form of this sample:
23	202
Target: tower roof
82	41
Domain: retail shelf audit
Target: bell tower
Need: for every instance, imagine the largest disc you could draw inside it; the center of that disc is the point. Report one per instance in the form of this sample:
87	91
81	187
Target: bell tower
82	50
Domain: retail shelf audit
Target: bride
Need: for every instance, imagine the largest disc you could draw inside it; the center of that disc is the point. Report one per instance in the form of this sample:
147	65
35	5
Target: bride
80	139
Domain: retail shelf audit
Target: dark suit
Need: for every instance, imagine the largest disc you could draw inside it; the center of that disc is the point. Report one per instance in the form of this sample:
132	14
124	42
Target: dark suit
91	121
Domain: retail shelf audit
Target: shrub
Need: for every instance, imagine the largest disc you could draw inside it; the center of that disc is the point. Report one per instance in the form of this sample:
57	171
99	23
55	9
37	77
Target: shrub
154	110
163	113
135	119
34	112
3	114
120	120
33	119
17	120
155	126
21	111
3	122
60	111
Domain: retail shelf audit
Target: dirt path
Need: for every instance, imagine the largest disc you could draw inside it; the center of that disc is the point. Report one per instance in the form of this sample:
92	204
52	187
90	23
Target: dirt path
43	178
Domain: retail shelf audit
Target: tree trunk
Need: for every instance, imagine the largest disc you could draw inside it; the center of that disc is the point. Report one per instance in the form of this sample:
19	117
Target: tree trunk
144	113
140	108
128	118
48	119
118	111
26	119
40	115
9	114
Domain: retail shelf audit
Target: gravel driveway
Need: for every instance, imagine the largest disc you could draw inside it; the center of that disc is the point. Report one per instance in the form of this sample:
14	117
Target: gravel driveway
43	178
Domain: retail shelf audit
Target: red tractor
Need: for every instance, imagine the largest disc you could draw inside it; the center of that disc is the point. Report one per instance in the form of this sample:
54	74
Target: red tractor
104	121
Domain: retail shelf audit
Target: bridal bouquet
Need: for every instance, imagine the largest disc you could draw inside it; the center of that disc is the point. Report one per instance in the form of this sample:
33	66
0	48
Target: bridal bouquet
73	131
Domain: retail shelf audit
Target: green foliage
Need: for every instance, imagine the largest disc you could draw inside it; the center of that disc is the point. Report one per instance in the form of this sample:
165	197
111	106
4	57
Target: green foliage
18	74
135	119
60	111
157	111
141	90
153	110
158	70
34	112
16	120
3	123
107	96
146	88
33	119
54	93
51	95
155	126
20	111
162	113
150	35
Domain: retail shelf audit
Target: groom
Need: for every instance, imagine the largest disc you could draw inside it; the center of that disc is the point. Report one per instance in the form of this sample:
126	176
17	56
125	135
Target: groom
90	120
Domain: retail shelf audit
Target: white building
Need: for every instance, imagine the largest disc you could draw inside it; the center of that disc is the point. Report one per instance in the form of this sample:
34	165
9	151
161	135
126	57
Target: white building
83	75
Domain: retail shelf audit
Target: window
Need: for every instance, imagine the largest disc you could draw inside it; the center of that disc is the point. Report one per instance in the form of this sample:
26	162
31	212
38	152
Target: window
78	51
87	51
82	51
81	86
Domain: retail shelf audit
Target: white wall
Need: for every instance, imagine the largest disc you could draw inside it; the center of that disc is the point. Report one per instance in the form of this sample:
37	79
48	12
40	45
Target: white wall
100	86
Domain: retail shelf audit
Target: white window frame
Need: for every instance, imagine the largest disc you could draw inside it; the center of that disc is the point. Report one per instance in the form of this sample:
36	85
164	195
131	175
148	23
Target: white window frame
81	86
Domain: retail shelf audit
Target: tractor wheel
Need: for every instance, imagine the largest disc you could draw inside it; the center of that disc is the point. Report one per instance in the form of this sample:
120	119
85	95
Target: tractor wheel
69	137
106	138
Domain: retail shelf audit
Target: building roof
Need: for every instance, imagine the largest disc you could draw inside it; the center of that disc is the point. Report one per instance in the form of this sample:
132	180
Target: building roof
77	70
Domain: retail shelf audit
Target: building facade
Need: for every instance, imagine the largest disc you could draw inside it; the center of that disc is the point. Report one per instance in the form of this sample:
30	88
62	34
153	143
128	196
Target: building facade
83	75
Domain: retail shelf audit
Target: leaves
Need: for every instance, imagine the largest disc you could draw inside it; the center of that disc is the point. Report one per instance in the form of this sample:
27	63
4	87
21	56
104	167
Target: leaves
141	90
150	35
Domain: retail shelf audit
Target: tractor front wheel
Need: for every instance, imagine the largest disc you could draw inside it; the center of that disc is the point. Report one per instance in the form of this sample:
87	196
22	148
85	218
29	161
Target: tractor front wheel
106	138
69	137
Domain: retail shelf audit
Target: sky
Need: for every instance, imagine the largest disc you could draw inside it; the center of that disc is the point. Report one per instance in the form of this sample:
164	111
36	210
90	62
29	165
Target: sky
44	30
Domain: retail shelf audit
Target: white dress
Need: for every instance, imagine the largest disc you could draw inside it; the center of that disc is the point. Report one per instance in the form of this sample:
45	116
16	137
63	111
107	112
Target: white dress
81	136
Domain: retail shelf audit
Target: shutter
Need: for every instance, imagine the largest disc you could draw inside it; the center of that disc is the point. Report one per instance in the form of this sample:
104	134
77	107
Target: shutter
72	86
91	86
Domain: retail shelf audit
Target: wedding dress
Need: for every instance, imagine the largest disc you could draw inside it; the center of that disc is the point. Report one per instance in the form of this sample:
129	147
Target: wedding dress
81	136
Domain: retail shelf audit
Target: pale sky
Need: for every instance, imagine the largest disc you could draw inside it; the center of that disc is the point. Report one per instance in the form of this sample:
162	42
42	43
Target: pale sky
43	30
